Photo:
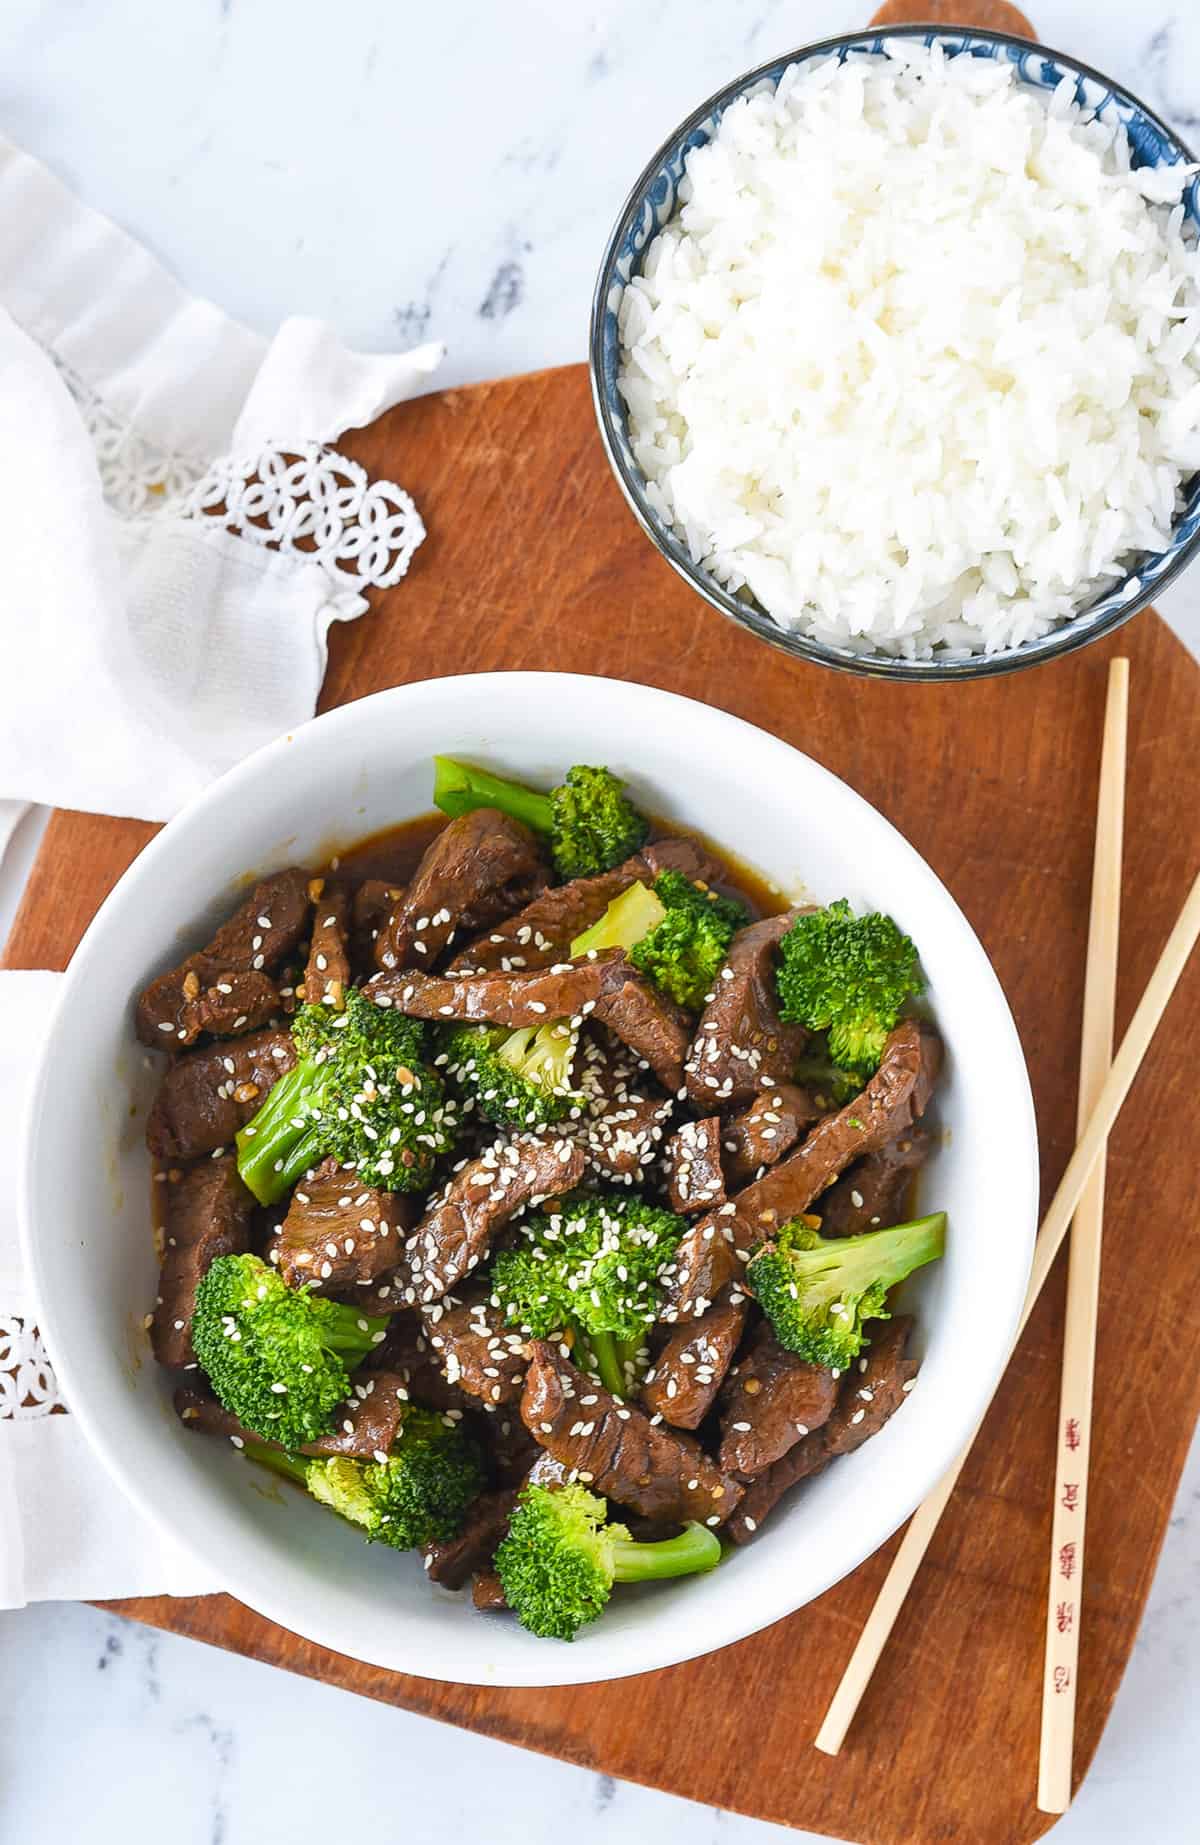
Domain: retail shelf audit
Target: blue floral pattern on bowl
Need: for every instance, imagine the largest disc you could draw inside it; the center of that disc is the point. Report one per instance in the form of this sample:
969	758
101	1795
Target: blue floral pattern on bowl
652	203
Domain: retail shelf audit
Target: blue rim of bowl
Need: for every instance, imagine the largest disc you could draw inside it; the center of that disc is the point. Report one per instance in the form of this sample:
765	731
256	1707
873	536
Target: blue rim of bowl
1079	631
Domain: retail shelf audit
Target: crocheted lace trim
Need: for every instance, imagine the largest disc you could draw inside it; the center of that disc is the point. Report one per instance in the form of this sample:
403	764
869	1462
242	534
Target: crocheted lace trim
313	502
307	500
28	1386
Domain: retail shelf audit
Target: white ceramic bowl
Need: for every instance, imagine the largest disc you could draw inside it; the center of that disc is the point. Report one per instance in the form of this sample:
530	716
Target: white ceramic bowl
86	1178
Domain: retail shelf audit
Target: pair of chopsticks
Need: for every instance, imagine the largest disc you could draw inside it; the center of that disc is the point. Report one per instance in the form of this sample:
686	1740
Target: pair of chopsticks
1080	1196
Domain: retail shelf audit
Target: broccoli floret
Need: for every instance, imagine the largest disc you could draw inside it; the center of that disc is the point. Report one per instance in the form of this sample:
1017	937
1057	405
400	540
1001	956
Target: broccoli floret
590	822
278	1358
817	1291
589	1263
560	1559
417	1495
847	975
595	825
360	1092
519	1079
680	893
677	934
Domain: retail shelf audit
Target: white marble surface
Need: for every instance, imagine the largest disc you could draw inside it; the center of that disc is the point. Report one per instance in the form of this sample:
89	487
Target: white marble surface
448	171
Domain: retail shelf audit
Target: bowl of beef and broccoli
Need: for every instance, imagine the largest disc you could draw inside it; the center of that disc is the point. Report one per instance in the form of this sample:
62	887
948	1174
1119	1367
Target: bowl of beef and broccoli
510	1194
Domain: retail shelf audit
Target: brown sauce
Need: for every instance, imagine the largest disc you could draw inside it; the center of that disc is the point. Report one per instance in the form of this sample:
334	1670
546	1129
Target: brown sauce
394	854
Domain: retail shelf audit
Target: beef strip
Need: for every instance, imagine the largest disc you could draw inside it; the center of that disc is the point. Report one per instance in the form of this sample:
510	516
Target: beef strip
208	1214
231	1004
689	1370
602	984
763	1132
374	901
258	938
366	1424
457	1230
208	1094
478	1351
479	869
511	1449
695	1181
620	1126
566	990
652	1026
866	1398
873	1390
615	1448
406	1351
339	1234
766	1490
772	1399
452	1561
680	852
328	972
277	910
543	931
741	1044
874	1191
711	1252
487	1592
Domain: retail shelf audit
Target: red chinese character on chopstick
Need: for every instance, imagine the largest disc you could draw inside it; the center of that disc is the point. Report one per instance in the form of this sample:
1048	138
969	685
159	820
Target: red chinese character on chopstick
1071	1436
1066	1561
1070	1496
1064	1617
1062	1678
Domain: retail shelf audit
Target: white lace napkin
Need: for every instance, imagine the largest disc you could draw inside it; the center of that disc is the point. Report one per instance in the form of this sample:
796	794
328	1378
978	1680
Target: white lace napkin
176	536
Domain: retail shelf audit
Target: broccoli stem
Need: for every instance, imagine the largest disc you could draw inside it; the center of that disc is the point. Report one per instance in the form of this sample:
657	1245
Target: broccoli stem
277	1460
695	1549
627	920
278	1144
881	1257
626	1352
458	789
606	1361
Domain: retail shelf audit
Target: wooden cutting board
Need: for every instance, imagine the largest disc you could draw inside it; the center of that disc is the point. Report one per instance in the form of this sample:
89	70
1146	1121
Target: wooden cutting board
534	561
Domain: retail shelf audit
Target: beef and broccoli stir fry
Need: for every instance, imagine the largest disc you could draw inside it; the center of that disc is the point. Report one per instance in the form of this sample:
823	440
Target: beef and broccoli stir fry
540	1210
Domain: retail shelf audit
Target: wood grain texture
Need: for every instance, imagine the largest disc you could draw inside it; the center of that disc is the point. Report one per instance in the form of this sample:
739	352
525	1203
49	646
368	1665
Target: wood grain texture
983	15
534	561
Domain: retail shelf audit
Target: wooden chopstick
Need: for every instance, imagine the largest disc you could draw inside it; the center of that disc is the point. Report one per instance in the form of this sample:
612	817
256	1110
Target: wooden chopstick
1064	1599
1115	1088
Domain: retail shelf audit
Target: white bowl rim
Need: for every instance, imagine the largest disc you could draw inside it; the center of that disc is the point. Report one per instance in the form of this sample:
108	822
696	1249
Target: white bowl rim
255	1587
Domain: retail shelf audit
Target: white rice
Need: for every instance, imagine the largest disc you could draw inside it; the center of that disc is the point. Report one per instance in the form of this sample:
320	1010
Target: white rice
915	363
